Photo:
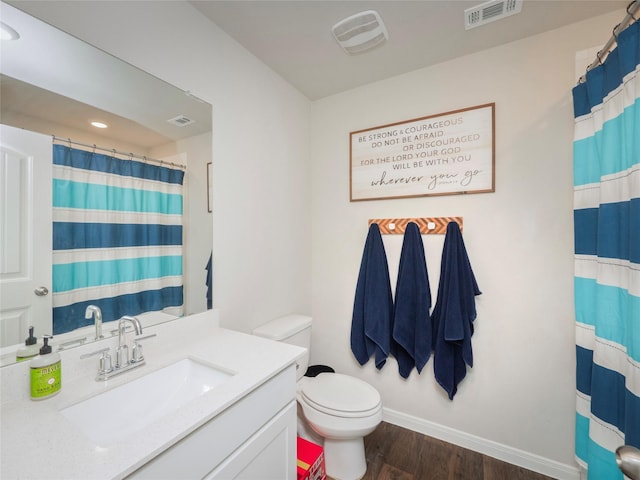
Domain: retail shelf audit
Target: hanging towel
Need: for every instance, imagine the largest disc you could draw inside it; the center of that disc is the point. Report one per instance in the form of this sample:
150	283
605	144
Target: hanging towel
209	283
454	313
411	345
373	304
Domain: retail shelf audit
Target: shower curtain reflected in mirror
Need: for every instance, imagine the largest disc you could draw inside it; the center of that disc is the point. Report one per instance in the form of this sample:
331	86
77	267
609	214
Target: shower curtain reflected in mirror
117	237
607	257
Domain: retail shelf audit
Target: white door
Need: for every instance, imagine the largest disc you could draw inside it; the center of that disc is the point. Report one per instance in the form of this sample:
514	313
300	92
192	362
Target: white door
25	234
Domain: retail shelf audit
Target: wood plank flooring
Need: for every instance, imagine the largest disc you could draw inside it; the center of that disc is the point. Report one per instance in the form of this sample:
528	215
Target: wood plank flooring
395	453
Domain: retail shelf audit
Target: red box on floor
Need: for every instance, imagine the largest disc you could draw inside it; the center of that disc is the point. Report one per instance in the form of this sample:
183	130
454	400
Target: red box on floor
310	461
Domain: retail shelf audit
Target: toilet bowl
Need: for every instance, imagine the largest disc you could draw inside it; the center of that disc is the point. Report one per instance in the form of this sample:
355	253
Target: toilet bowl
342	410
338	408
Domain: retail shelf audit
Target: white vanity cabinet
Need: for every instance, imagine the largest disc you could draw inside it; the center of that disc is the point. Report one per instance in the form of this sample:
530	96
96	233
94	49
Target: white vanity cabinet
253	439
242	428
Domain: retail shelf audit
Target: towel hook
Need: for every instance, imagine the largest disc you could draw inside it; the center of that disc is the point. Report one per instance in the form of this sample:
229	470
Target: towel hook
427	225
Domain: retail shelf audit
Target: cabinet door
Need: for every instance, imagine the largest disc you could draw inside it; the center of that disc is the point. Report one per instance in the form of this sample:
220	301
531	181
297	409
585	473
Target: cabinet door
270	454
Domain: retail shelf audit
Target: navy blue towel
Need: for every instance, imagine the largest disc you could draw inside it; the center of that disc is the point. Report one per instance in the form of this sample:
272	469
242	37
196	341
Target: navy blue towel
411	323
454	313
373	304
209	282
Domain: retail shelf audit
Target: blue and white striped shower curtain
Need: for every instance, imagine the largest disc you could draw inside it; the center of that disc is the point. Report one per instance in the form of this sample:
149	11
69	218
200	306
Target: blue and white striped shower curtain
607	257
117	237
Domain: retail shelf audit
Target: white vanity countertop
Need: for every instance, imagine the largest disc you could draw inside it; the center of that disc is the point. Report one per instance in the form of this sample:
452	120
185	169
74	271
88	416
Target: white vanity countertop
38	442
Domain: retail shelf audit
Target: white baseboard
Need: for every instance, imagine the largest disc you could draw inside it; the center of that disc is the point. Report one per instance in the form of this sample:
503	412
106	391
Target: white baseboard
508	454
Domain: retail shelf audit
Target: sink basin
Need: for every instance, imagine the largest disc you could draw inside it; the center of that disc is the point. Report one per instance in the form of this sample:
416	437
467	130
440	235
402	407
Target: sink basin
116	413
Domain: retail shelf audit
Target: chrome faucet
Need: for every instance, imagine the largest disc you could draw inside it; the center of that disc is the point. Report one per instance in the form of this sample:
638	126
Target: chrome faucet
96	313
122	352
123	363
628	460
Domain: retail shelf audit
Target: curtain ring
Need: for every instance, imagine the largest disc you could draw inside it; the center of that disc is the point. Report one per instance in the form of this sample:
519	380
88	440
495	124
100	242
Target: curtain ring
69	141
130	156
583	78
599	57
615	33
113	153
144	158
94	148
629	8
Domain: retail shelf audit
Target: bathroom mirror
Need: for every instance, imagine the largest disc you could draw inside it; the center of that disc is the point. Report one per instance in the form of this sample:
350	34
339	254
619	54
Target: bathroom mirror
53	84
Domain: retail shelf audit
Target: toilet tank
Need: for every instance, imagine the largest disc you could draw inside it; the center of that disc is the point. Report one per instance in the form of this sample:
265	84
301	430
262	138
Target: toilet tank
292	329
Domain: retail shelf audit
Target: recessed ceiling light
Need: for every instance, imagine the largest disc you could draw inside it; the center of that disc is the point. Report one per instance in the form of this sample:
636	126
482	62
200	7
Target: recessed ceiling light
8	33
99	124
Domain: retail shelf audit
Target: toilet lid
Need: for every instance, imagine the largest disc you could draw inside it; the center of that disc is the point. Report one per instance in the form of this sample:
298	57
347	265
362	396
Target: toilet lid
340	394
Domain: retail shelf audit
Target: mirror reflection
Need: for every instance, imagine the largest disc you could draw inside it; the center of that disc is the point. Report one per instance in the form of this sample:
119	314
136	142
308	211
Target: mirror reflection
115	218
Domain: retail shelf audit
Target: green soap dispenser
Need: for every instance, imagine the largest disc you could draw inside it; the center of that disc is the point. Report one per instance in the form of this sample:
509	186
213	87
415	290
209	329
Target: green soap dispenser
46	372
30	349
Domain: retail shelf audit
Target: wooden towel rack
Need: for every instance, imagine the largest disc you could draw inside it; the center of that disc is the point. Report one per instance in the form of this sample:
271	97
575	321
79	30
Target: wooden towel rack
427	226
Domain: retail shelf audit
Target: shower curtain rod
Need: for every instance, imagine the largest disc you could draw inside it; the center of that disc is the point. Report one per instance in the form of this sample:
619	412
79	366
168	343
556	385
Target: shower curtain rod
629	18
122	154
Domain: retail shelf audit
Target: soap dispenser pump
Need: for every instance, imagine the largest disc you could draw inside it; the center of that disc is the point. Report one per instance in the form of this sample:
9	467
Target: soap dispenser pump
30	349
46	372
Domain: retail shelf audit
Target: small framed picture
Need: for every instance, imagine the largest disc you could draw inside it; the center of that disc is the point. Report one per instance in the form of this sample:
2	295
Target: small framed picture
209	188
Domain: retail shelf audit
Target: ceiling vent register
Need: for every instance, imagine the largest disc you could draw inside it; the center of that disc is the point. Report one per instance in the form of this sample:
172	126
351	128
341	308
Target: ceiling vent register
360	32
490	11
181	121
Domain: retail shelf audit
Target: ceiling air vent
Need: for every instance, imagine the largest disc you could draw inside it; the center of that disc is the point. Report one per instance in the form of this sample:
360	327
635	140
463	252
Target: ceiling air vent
490	11
181	121
360	32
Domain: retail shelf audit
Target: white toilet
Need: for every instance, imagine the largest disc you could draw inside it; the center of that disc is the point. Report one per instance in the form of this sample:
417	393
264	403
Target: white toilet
339	408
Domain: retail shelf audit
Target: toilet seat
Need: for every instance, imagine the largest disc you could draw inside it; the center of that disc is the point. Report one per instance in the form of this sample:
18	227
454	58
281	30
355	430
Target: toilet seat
341	396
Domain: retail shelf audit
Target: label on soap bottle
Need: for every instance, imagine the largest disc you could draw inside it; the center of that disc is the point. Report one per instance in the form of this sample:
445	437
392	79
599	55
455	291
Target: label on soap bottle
45	381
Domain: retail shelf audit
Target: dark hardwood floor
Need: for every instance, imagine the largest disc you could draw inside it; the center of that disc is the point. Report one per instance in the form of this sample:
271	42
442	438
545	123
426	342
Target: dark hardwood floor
395	453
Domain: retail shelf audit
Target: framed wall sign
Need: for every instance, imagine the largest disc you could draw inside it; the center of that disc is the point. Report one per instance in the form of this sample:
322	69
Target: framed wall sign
209	187
444	154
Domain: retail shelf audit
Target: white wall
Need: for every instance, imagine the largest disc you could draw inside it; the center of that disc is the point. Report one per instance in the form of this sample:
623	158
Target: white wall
261	201
520	392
